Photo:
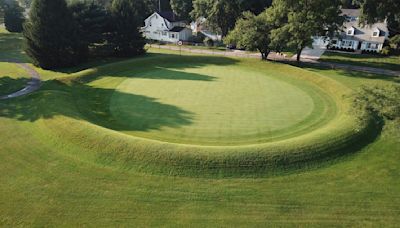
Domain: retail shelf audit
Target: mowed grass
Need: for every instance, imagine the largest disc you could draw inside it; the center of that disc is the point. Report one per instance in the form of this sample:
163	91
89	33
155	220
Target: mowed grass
12	77
212	104
365	60
48	179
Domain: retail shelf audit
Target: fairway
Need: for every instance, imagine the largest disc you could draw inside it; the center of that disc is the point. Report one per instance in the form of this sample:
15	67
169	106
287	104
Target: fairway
230	105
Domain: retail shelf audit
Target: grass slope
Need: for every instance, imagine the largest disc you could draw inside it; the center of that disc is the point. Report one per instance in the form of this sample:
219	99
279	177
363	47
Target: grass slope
384	62
73	109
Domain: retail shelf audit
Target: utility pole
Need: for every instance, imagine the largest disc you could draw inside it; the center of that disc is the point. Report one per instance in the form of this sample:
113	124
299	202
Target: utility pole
159	5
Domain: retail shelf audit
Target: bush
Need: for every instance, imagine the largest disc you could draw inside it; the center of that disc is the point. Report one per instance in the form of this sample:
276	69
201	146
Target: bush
208	42
385	51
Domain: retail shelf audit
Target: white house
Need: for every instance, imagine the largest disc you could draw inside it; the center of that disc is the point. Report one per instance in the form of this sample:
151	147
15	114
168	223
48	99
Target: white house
166	27
360	37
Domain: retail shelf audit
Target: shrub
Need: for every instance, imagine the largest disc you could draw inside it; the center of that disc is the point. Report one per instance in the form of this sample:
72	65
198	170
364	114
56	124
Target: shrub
208	42
385	51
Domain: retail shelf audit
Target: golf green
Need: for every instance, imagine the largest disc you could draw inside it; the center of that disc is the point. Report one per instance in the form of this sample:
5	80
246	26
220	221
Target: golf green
212	105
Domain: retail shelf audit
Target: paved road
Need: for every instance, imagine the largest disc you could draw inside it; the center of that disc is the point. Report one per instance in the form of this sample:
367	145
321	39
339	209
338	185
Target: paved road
33	85
278	57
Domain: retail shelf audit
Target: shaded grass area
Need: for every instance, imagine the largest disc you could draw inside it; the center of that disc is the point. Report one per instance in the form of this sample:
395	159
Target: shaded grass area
365	60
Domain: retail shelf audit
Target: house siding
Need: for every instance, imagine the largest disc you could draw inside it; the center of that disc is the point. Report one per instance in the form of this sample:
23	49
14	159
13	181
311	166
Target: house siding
158	28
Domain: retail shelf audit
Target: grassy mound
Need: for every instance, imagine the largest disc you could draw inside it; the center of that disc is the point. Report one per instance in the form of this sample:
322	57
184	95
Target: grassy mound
72	115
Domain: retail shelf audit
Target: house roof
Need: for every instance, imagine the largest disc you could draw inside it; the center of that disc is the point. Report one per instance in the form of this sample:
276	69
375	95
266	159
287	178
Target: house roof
170	16
177	29
363	32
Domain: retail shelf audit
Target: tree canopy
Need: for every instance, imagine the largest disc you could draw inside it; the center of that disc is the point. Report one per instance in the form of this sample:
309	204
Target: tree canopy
182	8
251	33
127	17
373	11
13	16
297	21
52	37
221	14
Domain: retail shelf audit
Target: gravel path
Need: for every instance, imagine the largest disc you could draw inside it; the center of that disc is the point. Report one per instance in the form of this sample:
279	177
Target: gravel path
33	85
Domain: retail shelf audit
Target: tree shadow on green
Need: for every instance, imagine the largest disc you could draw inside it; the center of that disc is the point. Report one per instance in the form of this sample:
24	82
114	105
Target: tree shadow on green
83	102
10	85
148	62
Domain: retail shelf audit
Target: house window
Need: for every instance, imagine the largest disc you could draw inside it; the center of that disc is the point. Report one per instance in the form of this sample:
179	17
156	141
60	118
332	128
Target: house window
348	43
164	33
150	23
350	32
172	36
334	41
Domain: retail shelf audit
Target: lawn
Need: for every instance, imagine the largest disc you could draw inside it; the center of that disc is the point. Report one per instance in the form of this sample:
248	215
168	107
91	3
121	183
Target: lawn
62	161
376	61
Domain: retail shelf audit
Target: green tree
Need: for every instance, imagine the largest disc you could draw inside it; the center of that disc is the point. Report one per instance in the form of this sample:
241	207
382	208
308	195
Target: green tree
373	11
395	43
13	16
127	17
255	6
297	21
251	33
52	36
93	21
182	8
220	14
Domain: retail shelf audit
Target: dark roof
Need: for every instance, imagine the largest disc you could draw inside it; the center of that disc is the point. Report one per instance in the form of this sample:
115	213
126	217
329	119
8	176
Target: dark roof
177	29
169	15
351	12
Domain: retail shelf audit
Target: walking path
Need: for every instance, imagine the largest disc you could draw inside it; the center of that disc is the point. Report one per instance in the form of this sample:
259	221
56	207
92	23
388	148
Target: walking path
314	54
33	85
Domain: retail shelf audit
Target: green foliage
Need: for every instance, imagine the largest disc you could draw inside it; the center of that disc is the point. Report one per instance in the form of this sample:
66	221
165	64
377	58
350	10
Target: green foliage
380	101
373	11
395	43
52	36
208	42
255	6
252	33
126	38
93	21
221	14
13	16
297	21
182	8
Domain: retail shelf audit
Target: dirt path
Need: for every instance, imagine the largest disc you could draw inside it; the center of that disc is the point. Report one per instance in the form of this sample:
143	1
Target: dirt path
33	85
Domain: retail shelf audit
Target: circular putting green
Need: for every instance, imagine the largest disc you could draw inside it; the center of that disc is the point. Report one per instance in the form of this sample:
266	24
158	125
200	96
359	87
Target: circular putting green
201	115
213	105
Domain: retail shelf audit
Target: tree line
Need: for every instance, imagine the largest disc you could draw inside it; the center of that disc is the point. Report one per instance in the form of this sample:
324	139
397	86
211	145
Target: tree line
62	33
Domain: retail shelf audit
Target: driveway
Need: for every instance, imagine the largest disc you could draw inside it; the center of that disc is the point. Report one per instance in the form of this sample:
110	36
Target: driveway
314	53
